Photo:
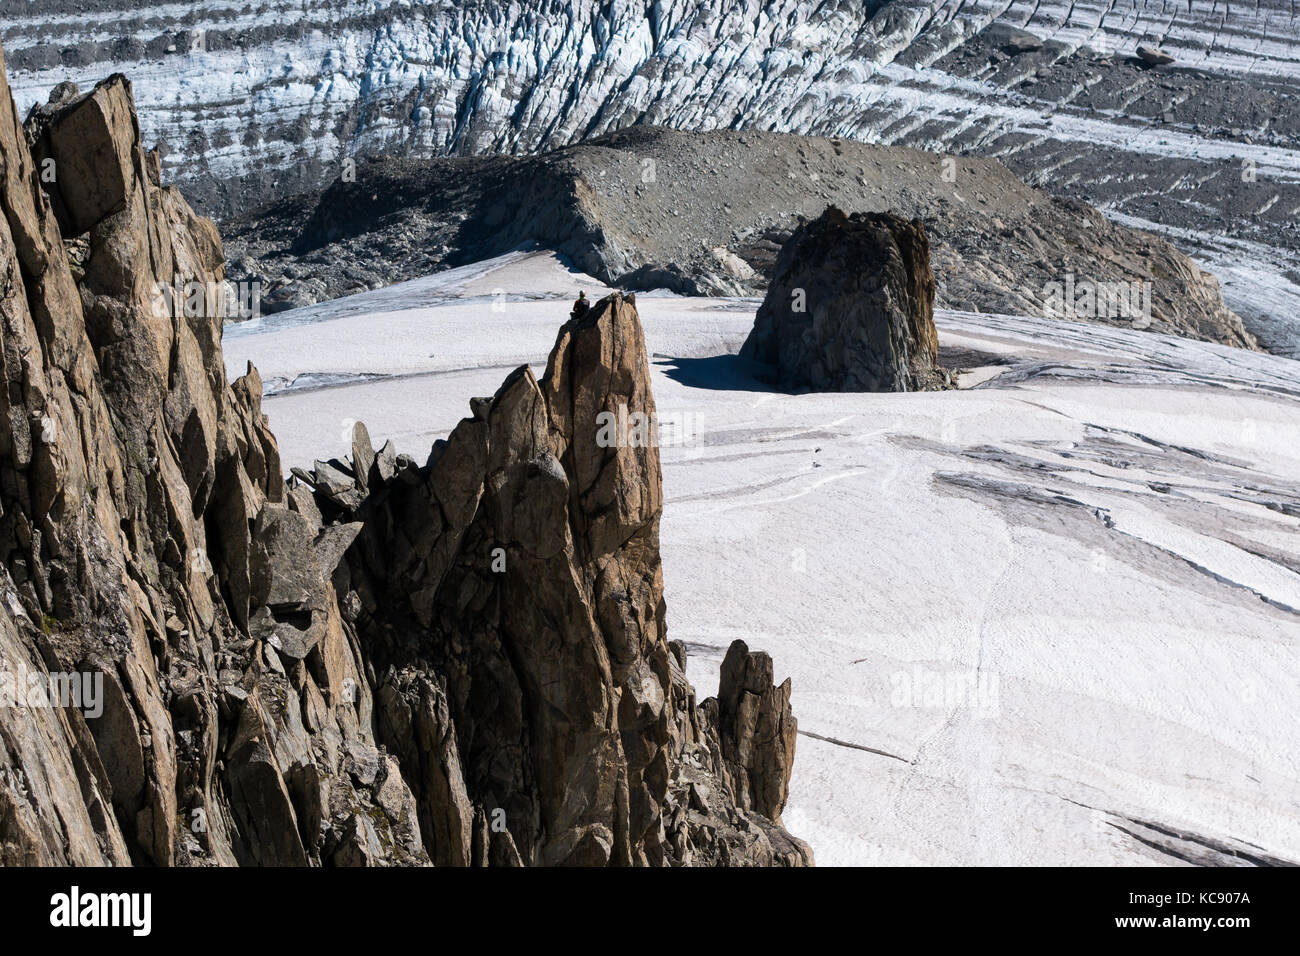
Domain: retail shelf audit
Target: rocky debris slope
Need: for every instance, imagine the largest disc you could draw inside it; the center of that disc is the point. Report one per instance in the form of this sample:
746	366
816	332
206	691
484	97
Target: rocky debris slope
705	213
851	308
193	671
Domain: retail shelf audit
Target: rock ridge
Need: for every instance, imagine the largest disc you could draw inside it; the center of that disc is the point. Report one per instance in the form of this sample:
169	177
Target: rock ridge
706	213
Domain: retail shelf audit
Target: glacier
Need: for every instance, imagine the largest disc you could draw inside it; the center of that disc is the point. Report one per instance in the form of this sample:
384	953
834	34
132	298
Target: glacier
264	100
1047	618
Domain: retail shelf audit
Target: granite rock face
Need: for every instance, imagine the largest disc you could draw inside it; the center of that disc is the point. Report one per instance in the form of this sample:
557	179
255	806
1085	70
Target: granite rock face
851	307
202	665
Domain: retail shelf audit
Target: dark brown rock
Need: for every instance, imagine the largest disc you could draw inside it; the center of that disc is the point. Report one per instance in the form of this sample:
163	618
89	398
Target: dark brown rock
1021	42
1154	56
851	307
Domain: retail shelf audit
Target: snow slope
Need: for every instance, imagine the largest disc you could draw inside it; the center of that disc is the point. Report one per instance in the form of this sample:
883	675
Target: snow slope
1051	618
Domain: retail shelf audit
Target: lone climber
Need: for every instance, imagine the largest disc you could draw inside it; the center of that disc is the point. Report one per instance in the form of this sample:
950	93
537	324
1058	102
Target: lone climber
580	307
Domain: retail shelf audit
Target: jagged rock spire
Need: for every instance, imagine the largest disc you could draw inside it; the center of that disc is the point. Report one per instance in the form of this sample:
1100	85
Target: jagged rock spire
464	662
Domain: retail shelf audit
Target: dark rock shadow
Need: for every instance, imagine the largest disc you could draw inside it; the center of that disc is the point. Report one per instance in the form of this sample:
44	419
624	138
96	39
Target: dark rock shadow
957	358
729	373
732	373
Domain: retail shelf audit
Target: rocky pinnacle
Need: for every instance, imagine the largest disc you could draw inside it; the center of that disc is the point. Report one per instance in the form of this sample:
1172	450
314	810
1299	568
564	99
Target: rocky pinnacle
462	662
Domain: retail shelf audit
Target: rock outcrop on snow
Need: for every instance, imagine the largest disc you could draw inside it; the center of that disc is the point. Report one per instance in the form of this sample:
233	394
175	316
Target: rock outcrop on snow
1153	56
203	665
851	307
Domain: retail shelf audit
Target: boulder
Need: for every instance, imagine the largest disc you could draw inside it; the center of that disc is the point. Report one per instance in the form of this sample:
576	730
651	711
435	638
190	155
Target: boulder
1018	43
851	308
1153	56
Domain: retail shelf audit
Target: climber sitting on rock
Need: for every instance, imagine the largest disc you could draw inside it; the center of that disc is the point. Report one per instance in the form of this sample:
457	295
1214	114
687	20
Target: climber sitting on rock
580	306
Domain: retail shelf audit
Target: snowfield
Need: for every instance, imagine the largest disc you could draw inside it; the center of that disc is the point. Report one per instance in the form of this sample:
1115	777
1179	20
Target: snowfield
1050	618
